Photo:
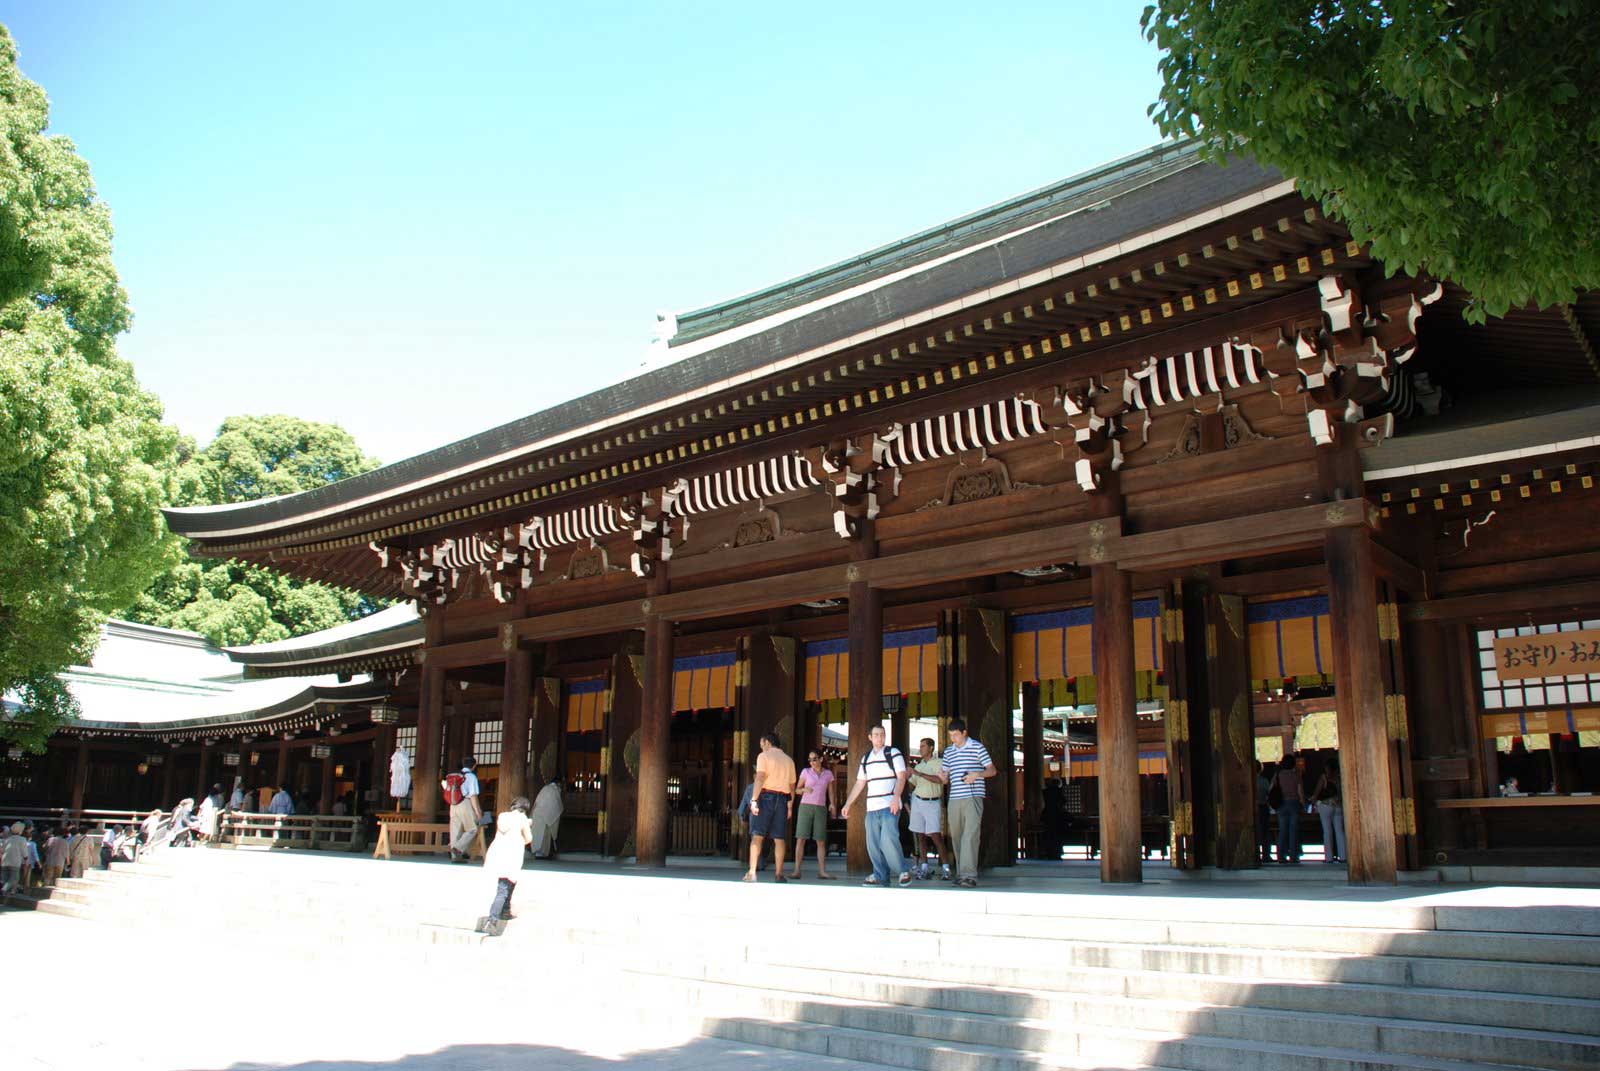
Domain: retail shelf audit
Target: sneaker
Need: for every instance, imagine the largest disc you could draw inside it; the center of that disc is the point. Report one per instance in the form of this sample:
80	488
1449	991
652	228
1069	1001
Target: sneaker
905	878
967	883
483	924
872	879
944	872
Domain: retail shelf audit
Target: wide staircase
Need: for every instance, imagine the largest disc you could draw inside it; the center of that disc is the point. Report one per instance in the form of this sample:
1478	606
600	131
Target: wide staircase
947	980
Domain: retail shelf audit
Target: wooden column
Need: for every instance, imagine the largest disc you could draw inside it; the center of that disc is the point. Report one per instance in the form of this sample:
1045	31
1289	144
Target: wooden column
202	776
1232	731
1358	691
1116	725
282	777
1358	672
619	758
654	818
866	704
767	701
1033	764
430	727
544	763
515	702
80	774
1188	781
169	768
982	696
325	789
378	778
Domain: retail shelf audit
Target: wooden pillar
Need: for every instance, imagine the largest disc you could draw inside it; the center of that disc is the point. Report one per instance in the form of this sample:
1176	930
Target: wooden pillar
202	778
325	789
1033	764
1358	674
1358	693
1185	724
865	704
767	701
169	768
377	797
548	727
654	819
977	689
1116	725
1232	731
619	757
514	709
430	727
282	776
80	774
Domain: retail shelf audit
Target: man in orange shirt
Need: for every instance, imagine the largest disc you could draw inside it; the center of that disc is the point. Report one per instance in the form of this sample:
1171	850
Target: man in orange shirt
769	803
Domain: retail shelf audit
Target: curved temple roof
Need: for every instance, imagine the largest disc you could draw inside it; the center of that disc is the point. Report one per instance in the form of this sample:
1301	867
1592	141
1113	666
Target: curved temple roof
1136	201
159	682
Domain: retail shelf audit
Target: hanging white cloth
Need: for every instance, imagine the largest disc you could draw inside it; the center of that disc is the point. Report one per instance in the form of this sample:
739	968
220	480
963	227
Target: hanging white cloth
400	772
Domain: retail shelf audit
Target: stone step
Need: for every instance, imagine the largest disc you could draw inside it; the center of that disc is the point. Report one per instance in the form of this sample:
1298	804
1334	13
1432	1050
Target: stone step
1133	1049
1431	1006
985	1018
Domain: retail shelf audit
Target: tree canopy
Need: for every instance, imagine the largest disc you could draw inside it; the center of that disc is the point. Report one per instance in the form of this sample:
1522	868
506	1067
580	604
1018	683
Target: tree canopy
84	457
232	603
1459	139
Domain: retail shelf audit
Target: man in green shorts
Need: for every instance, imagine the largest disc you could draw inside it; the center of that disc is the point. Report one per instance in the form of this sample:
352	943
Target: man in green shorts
814	793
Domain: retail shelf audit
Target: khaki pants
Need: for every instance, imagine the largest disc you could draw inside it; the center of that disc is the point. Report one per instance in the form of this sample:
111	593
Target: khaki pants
966	821
51	875
463	826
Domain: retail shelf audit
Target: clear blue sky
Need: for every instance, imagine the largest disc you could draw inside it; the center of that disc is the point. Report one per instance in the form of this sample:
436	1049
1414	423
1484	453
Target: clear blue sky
422	220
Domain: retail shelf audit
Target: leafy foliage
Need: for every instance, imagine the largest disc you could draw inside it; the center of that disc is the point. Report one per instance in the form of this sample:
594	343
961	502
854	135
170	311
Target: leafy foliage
232	603
1460	139
84	457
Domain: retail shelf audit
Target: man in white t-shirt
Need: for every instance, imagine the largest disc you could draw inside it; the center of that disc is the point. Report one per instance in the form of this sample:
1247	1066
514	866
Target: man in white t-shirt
881	774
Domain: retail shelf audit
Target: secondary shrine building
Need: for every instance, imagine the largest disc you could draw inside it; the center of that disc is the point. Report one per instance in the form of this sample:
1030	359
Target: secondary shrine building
1149	475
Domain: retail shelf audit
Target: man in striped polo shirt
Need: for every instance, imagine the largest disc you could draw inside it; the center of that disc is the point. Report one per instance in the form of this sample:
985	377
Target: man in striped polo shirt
967	766
882	776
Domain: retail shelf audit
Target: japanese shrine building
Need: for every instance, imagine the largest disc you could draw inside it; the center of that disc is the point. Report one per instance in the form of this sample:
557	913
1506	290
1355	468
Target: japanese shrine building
1157	453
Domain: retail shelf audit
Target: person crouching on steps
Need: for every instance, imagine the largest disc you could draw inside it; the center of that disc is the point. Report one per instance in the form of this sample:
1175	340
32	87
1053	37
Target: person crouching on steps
503	862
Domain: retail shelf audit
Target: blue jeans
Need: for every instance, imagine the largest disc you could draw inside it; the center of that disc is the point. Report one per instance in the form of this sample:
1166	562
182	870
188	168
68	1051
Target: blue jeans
883	845
1289	833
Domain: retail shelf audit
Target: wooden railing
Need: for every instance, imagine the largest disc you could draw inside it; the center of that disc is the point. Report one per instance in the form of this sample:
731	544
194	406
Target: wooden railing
335	832
55	816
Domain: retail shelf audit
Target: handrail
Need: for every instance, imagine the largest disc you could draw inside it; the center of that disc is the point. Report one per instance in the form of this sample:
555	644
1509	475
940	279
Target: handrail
254	829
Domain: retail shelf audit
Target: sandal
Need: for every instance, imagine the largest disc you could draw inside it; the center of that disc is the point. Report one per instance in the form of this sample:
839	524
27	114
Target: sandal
827	877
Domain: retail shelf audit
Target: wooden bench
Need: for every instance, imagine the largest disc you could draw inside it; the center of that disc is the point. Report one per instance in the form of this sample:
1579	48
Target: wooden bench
405	835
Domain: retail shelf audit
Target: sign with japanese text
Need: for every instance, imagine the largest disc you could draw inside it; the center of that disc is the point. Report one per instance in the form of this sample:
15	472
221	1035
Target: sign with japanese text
1551	654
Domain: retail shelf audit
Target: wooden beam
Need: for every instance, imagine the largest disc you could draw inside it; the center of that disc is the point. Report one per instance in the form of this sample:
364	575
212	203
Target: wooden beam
1392	567
1556	598
514	712
1261	533
766	593
461	655
589	621
985	557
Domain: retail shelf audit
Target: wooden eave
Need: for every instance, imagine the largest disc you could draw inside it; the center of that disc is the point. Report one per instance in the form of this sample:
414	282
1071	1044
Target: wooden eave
1193	289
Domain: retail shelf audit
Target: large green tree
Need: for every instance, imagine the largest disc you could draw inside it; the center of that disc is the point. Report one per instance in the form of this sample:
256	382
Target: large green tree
84	457
232	603
1460	137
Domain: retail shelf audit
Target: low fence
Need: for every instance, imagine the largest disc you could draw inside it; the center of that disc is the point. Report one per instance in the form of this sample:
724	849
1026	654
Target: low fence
60	816
334	832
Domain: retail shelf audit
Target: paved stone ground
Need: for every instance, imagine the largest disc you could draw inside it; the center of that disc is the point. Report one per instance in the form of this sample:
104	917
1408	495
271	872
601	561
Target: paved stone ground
84	996
89	994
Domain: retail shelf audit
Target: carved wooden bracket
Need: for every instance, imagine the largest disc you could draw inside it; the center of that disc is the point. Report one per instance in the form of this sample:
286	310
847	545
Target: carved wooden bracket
857	474
1335	372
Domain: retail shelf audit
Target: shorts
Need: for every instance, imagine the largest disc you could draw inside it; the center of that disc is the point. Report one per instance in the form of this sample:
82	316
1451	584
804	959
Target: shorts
925	816
812	822
773	821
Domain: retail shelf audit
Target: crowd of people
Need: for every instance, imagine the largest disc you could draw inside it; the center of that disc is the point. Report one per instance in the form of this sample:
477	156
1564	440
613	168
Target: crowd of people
1281	793
944	790
37	856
